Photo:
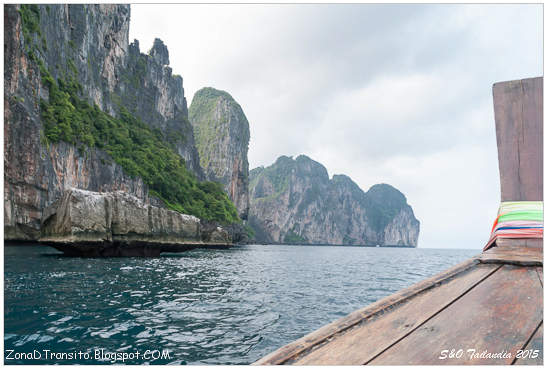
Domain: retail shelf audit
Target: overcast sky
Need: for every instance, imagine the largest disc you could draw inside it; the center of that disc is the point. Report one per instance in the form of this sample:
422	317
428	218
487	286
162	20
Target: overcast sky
398	94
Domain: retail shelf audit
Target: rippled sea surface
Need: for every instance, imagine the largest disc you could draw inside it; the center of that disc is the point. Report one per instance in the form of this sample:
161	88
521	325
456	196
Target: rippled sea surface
200	307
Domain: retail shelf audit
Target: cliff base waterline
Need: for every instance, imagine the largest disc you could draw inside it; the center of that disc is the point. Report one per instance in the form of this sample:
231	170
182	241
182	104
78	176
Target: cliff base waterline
85	223
124	249
333	244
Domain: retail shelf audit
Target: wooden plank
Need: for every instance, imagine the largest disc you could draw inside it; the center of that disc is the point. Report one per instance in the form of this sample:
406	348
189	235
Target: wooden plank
361	343
520	242
500	314
288	352
520	249
518	111
521	260
535	344
516	254
531	144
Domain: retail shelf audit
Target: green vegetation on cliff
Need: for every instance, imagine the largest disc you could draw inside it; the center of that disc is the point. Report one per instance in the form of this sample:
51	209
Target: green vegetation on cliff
207	125
30	16
139	149
277	174
292	238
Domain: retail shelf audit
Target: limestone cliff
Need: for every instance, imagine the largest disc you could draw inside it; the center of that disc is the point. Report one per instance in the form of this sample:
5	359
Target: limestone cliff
294	201
221	131
118	224
90	43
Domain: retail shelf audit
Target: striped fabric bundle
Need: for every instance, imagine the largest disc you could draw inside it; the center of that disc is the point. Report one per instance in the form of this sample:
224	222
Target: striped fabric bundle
518	219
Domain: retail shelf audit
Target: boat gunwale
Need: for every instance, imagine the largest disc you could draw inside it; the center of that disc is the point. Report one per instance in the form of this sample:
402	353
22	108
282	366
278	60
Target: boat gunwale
321	335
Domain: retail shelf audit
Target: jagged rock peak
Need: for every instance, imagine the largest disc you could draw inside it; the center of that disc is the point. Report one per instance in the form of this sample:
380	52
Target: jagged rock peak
159	52
135	44
222	138
210	92
311	167
383	191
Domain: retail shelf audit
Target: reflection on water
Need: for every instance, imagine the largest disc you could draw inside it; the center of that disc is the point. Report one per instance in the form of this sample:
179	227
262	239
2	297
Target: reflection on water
203	306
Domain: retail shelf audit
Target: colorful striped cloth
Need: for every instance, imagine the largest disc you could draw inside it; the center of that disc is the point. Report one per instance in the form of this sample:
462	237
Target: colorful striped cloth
518	219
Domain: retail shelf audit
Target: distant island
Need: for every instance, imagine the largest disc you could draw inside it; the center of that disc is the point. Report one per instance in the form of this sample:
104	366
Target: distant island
87	110
294	201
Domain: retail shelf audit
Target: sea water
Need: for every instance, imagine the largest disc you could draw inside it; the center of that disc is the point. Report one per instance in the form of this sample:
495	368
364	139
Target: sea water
228	306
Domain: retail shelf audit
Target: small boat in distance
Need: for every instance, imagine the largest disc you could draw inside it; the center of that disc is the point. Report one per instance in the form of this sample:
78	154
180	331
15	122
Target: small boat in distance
486	310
